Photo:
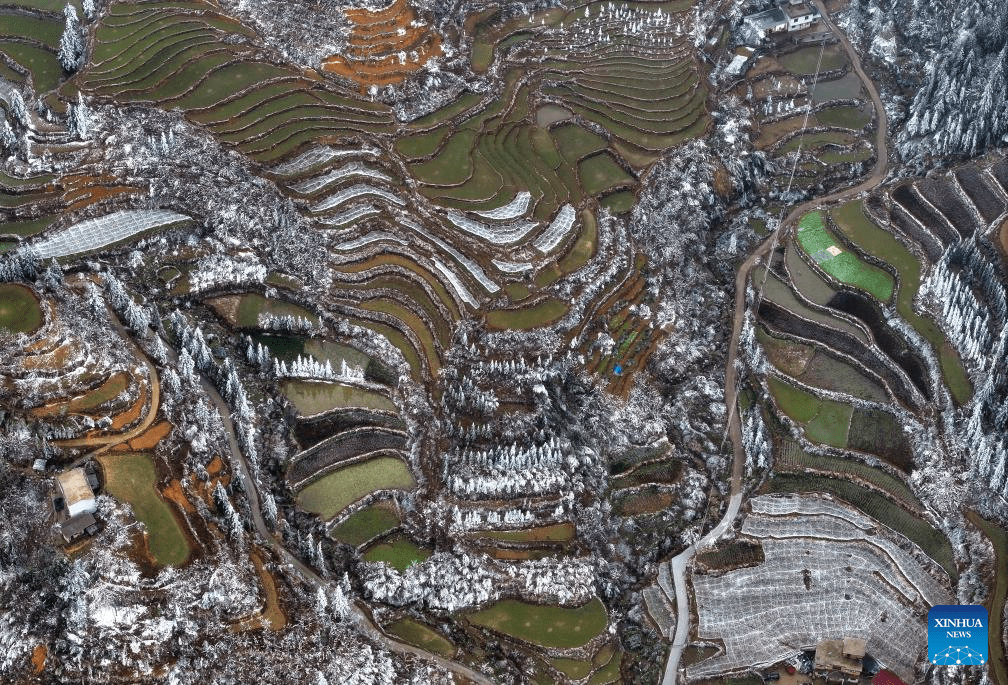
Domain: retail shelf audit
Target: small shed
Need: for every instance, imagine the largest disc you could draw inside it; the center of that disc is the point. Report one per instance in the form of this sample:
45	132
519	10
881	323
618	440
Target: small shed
78	526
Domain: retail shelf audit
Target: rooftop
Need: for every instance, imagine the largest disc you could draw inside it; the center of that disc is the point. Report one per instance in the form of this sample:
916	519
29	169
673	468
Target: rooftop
830	656
767	19
794	11
76	491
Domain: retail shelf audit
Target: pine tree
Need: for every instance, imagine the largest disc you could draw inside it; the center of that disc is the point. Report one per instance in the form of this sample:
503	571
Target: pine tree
72	42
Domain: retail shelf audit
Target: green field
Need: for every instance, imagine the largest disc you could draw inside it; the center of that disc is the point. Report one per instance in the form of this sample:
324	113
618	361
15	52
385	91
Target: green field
332	493
846	267
557	532
850	218
20	311
397	551
366	524
316	397
132	478
548	626
540	314
419	635
825	421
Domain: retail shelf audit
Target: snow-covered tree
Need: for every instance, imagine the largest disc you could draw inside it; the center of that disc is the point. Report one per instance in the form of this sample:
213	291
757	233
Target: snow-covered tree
71	46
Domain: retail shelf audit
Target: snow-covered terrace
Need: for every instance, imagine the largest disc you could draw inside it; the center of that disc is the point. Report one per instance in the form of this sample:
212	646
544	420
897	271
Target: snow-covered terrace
829	572
92	234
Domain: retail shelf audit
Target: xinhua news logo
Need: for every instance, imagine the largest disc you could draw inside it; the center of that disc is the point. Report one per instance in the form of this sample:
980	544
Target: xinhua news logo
957	635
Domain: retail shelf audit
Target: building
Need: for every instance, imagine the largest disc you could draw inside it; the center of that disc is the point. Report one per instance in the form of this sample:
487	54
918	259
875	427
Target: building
839	661
78	497
788	16
77	526
800	15
739	61
767	22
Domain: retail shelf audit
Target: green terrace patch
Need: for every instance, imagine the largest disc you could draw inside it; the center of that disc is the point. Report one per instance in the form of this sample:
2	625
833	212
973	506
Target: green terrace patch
132	478
850	218
547	626
316	397
398	551
334	492
20	311
420	635
840	263
366	524
825	421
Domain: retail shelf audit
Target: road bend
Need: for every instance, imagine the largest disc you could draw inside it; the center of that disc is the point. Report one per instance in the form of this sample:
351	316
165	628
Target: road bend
680	562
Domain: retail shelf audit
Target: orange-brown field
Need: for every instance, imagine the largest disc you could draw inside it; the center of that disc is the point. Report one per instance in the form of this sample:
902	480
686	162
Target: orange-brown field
384	47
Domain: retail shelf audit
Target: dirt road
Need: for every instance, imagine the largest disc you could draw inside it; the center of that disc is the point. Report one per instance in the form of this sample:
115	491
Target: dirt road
680	563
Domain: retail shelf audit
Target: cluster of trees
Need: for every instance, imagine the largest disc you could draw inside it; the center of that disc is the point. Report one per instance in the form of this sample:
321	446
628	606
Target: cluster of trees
23	264
137	317
223	269
953	59
304	32
451	583
196	355
288	323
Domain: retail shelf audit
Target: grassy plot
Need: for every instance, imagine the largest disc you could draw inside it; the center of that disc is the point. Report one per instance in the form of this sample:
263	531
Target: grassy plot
927	537
315	397
844	116
542	313
398	551
332	493
600	172
366	524
132	478
45	69
805	60
548	626
418	634
850	218
557	532
107	391
825	421
843	265
20	311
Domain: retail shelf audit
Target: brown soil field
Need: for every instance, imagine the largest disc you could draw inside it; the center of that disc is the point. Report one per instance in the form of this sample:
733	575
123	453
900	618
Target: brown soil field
39	658
149	439
173	492
377	42
133	413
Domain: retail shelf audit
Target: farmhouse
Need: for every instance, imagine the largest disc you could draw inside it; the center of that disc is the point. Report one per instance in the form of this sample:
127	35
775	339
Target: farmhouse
800	15
788	16
839	660
75	504
78	497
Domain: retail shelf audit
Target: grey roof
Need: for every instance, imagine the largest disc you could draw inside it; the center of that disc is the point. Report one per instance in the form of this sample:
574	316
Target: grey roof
76	526
768	19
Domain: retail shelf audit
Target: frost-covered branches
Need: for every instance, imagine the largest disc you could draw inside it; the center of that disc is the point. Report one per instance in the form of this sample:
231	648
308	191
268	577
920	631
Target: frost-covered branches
449	583
71	45
223	269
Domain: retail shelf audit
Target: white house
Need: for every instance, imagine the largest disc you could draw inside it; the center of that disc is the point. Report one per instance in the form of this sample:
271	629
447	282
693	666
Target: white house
788	16
800	15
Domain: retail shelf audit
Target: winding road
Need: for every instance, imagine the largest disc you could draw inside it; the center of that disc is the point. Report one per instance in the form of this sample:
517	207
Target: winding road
680	562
